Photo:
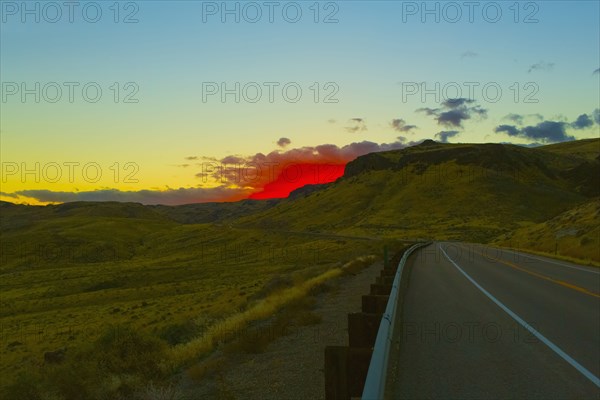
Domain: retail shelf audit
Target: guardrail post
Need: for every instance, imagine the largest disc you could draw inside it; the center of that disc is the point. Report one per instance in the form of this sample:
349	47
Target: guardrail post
345	371
362	329
336	372
374	303
385	257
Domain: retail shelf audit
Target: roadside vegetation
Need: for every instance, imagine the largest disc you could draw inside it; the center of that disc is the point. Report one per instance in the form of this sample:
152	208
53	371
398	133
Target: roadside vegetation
113	307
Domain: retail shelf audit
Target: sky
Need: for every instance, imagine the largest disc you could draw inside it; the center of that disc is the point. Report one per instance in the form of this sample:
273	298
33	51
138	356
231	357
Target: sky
190	101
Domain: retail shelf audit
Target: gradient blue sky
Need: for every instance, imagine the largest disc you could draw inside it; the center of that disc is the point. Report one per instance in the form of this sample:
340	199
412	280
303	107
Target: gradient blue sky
367	54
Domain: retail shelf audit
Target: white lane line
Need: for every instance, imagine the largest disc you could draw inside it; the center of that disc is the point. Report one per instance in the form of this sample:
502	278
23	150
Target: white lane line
584	371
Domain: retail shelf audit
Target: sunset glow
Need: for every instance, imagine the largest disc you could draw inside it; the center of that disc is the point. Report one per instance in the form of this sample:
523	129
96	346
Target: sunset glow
298	175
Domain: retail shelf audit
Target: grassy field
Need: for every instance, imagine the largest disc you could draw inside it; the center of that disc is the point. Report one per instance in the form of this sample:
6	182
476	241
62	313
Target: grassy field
167	293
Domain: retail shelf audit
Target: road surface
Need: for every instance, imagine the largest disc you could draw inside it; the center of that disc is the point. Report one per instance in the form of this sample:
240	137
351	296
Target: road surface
478	323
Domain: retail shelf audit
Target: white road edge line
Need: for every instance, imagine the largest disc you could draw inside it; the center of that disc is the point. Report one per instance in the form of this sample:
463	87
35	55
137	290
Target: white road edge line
552	261
584	371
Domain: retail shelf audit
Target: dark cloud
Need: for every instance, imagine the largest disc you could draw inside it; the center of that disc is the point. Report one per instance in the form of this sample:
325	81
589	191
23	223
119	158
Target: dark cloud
454	111
541	66
357	125
255	171
510	130
232	178
400	125
191	158
548	131
456	103
331	121
11	195
167	197
453	117
516	118
544	132
427	110
596	72
469	54
582	122
283	142
444	135
539	117
521	119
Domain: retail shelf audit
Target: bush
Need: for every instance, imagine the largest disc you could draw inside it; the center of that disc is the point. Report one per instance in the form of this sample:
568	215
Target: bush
179	333
123	350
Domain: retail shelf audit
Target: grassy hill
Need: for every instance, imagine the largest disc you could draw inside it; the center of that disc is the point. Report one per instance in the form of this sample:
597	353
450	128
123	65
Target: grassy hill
574	234
213	212
444	191
72	275
588	149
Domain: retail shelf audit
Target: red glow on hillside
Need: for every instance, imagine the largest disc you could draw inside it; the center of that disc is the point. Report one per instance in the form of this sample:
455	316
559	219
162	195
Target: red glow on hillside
295	176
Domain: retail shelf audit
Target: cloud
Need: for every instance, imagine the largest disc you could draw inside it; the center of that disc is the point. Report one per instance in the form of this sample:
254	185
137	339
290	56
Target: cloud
230	178
444	135
456	103
539	117
255	171
510	130
283	142
596	72
582	122
454	111
401	126
191	158
547	131
469	54
520	119
541	66
167	197
331	121
544	132
11	195
357	125
516	118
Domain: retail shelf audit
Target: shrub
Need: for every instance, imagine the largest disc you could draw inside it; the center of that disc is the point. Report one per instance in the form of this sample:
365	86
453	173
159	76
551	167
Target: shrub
179	333
123	350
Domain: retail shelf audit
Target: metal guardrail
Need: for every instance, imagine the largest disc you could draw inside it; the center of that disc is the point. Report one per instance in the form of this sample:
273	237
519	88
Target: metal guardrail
376	377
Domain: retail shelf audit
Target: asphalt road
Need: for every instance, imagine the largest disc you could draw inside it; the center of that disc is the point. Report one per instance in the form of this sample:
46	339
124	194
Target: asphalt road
480	323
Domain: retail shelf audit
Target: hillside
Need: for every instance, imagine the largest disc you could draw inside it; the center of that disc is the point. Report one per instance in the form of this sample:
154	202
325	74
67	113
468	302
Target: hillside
471	192
213	212
586	149
574	233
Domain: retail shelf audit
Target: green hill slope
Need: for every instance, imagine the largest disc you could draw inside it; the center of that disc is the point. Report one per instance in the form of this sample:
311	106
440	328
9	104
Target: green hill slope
574	234
470	192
